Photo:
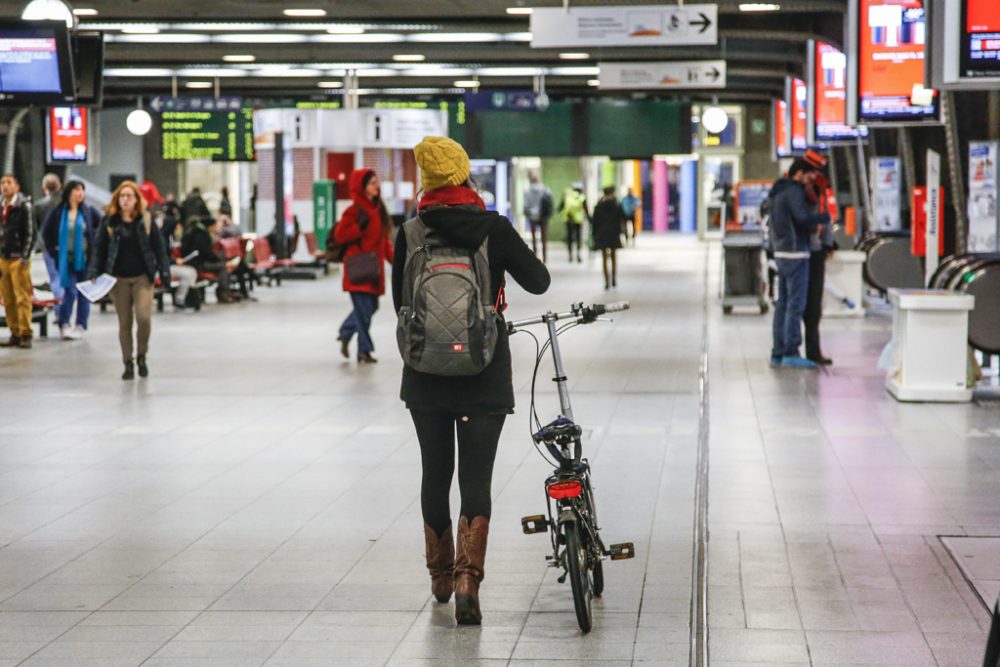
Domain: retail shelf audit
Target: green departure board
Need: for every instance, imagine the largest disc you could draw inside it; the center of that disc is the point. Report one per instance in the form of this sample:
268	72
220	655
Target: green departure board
222	136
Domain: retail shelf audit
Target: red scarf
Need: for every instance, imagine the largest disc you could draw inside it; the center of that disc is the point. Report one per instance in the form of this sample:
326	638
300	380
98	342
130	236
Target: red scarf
451	195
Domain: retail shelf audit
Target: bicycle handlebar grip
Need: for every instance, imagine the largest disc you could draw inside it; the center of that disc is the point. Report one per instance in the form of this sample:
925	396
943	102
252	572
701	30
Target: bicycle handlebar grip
612	307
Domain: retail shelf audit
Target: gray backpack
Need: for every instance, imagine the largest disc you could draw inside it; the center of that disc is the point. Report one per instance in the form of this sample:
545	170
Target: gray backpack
448	319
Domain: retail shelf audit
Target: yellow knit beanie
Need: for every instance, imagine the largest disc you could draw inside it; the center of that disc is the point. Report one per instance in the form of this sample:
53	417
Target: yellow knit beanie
442	162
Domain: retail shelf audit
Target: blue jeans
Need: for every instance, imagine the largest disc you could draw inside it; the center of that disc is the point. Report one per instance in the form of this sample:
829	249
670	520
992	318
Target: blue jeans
793	288
53	270
360	320
70	296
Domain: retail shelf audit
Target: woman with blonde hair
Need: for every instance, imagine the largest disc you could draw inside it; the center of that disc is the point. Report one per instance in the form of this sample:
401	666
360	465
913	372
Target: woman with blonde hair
131	248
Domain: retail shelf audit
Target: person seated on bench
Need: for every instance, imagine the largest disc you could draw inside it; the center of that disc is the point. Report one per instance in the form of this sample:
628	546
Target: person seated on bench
199	236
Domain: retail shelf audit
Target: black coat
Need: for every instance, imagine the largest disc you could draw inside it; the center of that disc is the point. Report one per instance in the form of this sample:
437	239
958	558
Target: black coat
53	220
154	254
198	238
608	224
492	391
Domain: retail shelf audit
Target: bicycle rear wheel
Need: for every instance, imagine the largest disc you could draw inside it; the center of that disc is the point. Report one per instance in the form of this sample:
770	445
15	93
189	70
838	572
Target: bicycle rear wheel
598	577
578	567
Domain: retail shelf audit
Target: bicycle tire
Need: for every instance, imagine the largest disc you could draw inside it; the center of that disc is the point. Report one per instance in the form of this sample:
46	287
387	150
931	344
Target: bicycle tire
579	575
598	577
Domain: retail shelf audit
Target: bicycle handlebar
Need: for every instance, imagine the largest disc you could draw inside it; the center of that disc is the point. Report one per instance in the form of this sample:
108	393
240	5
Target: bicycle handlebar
583	314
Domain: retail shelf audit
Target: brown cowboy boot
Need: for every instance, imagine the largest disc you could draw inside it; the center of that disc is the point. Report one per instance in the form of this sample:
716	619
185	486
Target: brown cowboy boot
440	562
470	557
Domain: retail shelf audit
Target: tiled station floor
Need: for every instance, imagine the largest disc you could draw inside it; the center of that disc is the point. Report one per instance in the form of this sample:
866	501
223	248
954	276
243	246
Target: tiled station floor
256	500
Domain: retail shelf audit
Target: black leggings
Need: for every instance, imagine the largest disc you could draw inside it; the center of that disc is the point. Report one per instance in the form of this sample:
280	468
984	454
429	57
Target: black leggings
478	436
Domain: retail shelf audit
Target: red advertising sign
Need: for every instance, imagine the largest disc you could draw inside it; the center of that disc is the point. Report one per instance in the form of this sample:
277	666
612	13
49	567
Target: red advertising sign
68	134
781	129
893	36
798	101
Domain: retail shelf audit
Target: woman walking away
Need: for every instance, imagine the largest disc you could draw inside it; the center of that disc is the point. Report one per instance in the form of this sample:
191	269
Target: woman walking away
608	226
68	233
453	215
364	229
130	248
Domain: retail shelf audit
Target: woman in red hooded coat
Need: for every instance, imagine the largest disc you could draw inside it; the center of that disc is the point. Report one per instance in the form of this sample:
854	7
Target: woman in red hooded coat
364	228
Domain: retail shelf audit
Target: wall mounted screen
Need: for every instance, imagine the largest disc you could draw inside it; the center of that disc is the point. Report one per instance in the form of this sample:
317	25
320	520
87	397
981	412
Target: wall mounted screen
891	40
68	134
782	147
828	101
798	95
35	63
981	38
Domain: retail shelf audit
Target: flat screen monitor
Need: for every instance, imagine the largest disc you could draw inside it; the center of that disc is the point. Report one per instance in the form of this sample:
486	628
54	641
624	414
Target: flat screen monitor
891	41
68	134
35	63
88	66
798	95
828	96
980	55
782	146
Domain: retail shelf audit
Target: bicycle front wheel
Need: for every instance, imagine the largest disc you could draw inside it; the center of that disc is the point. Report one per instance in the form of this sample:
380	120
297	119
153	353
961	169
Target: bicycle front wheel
578	567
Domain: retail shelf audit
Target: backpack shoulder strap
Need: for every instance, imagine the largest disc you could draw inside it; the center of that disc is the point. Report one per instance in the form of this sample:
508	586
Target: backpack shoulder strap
416	238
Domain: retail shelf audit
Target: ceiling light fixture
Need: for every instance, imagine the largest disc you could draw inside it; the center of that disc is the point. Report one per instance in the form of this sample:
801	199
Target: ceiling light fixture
85	11
303	13
520	11
366	38
49	10
594	83
759	7
198	84
235	58
455	37
574	56
139	122
261	38
466	83
715	119
409	58
161	38
140	30
345	30
330	84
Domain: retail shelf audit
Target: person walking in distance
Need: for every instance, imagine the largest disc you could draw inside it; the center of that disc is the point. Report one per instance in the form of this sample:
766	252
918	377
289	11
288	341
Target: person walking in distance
364	229
792	222
131	248
608	228
17	239
574	208
537	211
471	407
69	231
52	189
632	205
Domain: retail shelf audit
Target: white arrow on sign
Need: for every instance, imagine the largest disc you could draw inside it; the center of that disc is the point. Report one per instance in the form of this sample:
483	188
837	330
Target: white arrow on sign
663	75
644	25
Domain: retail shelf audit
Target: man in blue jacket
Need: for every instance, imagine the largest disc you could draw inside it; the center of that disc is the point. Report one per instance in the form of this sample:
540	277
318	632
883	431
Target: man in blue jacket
792	223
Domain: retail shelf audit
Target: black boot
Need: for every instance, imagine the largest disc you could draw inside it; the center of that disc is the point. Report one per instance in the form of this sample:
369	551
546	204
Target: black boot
141	363
129	373
365	358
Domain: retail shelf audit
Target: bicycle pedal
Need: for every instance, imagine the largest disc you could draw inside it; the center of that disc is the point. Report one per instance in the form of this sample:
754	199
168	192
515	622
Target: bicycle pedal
534	524
622	551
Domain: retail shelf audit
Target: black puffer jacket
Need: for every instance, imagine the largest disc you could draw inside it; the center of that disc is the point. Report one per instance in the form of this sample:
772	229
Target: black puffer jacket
492	391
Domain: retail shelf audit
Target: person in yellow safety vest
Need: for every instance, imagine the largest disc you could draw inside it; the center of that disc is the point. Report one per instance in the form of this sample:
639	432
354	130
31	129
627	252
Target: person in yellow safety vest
574	210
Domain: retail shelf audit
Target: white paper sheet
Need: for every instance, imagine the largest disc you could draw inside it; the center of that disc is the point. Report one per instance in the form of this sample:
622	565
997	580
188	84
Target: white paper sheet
96	289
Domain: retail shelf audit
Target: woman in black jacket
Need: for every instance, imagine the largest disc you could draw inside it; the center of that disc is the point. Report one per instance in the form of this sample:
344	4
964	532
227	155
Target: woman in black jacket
474	405
131	248
608	226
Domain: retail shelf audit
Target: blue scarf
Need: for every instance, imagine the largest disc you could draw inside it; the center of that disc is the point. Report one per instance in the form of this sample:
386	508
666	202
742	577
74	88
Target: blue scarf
79	262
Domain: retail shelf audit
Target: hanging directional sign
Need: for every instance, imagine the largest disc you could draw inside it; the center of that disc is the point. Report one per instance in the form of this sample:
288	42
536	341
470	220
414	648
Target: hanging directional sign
652	76
161	103
645	25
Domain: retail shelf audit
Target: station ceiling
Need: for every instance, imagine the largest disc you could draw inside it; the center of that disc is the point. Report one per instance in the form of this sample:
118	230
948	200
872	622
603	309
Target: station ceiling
148	42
